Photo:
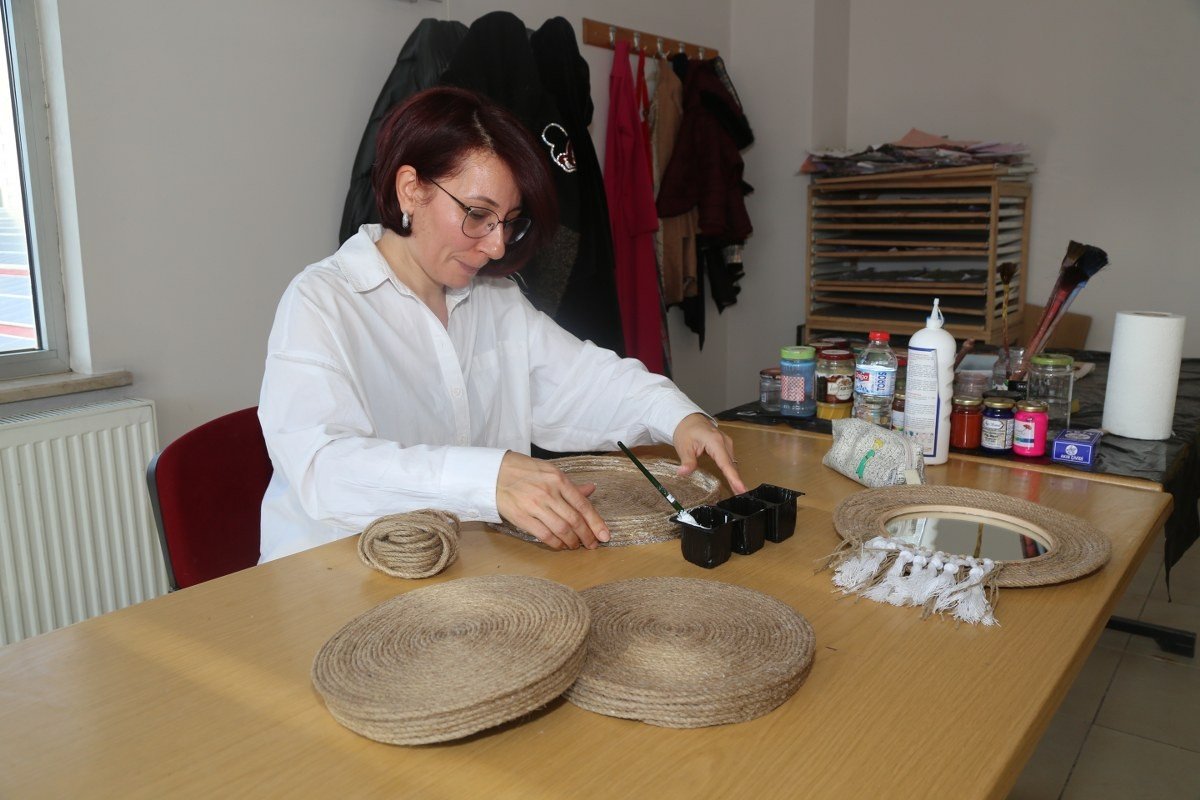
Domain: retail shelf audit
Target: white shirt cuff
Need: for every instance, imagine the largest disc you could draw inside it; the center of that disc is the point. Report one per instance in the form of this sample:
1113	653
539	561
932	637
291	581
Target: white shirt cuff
469	479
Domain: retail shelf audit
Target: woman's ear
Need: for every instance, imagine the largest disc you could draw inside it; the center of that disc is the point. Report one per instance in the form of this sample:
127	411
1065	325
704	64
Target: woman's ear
408	189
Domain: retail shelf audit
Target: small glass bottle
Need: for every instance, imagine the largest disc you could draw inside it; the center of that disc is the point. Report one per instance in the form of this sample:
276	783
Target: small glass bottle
835	383
798	371
966	422
1051	380
898	411
768	390
1029	428
997	425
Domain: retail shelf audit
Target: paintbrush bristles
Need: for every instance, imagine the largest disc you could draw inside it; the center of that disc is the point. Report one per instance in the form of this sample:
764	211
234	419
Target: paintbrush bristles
1007	271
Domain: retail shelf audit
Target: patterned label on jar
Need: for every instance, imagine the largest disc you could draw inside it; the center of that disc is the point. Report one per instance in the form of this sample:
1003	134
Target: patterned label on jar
839	389
792	388
1023	433
874	380
997	434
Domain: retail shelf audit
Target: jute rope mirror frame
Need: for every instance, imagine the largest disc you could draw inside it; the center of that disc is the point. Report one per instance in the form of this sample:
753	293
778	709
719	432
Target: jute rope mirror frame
1074	547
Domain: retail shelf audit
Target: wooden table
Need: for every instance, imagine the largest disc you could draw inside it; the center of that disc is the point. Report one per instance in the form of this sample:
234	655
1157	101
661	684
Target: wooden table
206	692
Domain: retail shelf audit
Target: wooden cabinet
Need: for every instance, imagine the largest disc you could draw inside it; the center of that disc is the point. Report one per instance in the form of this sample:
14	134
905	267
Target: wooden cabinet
882	247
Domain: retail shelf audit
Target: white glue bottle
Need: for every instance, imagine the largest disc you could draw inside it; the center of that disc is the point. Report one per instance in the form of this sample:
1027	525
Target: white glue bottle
930	387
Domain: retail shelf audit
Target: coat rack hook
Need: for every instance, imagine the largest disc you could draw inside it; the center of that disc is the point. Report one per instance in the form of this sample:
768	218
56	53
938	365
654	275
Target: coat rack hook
701	53
660	52
637	40
682	47
612	35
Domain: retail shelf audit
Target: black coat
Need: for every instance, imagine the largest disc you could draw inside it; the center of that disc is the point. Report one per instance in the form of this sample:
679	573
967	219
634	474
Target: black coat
530	79
419	66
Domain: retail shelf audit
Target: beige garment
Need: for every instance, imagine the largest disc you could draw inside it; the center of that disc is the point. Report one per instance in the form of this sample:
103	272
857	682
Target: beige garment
675	241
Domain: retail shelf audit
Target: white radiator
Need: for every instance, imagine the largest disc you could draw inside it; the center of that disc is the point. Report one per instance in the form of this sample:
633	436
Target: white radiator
77	535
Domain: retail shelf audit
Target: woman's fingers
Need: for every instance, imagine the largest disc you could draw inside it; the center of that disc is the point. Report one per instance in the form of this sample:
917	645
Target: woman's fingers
695	435
540	499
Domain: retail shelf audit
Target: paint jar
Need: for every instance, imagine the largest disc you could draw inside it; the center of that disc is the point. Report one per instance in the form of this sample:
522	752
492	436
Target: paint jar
768	390
1029	428
798	368
966	422
708	543
1005	366
1052	380
997	435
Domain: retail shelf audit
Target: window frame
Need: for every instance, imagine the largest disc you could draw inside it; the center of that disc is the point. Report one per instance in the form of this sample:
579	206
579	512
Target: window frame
31	113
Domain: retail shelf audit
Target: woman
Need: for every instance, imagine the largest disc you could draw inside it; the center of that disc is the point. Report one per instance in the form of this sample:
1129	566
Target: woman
406	372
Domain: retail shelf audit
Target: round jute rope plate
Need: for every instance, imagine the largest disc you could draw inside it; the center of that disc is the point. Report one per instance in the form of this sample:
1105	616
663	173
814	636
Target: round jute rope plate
453	659
685	652
1074	547
633	509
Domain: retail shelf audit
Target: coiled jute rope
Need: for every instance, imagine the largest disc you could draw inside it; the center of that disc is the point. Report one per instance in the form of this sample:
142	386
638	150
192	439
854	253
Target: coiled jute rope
417	544
685	653
631	507
449	660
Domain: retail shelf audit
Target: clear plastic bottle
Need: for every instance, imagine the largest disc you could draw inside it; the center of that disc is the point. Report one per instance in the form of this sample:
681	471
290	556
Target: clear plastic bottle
875	381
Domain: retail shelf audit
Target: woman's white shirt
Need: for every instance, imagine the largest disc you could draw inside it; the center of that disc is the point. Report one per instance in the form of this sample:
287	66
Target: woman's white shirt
369	406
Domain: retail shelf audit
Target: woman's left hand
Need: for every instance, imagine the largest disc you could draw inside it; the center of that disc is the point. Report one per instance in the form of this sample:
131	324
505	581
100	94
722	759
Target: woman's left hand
695	435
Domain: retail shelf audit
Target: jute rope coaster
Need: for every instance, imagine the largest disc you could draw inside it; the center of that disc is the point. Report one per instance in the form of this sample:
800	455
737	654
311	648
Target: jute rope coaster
685	653
1074	547
633	510
417	544
453	659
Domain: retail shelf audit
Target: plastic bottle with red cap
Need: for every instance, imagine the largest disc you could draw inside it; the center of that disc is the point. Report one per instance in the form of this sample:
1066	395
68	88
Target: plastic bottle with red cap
875	381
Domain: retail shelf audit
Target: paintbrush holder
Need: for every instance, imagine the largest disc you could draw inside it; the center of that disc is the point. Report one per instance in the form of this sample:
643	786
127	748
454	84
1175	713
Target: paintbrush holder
708	544
750	523
780	511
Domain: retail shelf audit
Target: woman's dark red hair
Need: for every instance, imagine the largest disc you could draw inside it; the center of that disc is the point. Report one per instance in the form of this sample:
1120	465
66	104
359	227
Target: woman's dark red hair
435	130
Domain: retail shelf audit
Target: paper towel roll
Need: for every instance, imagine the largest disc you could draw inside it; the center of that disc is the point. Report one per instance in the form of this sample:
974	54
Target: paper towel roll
1143	375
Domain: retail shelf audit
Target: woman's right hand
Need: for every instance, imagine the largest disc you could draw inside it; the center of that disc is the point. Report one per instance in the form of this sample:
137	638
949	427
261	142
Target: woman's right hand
537	497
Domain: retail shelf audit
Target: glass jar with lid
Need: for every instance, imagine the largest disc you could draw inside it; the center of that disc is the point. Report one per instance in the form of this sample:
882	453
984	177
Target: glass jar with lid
966	422
768	390
797	391
835	383
997	425
1052	380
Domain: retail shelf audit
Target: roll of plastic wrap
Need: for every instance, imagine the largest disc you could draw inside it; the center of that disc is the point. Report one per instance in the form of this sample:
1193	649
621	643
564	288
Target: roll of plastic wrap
1143	374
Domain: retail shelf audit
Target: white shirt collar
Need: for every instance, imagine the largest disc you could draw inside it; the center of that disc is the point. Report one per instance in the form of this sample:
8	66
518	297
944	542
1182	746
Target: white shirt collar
364	267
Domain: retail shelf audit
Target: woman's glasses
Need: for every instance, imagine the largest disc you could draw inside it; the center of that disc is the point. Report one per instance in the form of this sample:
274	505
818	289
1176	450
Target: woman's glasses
479	222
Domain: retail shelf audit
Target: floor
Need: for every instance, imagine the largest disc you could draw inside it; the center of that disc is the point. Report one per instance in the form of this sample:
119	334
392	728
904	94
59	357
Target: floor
1130	725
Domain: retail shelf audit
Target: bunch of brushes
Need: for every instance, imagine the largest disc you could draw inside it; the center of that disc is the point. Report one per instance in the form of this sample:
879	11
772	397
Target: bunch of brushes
1081	262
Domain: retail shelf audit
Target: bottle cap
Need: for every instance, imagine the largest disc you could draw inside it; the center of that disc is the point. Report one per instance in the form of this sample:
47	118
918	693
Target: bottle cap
770	372
966	400
797	353
1032	405
884	335
935	318
836	355
998	402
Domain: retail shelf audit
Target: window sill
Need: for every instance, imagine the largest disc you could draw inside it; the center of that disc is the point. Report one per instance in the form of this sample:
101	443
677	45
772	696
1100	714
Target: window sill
12	391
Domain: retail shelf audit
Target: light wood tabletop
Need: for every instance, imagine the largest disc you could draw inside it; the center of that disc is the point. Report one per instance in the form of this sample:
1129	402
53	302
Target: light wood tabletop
206	692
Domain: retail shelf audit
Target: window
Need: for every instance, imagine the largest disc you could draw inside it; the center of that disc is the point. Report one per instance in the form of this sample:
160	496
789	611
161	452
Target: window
33	338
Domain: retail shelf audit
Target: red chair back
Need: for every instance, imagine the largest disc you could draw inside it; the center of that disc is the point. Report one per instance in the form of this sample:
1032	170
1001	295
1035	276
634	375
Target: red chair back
207	488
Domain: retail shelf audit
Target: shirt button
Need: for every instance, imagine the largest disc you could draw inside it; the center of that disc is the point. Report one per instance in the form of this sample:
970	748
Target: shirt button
456	391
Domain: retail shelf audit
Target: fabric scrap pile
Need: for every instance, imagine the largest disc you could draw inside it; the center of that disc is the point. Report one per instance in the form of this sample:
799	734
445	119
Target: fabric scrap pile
917	151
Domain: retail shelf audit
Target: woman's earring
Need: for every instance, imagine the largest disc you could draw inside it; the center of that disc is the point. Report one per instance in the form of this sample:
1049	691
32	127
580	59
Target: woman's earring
405	221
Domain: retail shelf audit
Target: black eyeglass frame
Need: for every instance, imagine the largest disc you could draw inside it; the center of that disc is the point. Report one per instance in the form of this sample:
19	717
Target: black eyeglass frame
511	227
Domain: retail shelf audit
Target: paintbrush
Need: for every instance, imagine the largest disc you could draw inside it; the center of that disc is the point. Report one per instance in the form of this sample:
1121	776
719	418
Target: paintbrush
1081	262
684	516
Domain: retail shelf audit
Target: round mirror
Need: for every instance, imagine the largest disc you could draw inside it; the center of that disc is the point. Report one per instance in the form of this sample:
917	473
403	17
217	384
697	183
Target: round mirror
967	534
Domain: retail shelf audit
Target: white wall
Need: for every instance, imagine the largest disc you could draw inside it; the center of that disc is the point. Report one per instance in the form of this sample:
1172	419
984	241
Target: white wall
212	145
1107	95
